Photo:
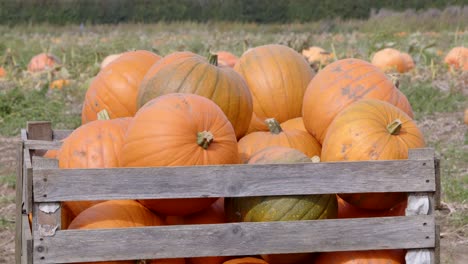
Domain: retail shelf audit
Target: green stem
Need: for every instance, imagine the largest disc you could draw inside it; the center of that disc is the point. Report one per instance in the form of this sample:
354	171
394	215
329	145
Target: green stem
103	115
213	59
204	139
394	127
273	126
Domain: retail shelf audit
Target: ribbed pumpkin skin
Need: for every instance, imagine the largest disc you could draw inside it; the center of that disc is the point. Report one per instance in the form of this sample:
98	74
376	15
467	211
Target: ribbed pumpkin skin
186	72
295	123
94	145
115	88
277	77
164	133
390	60
281	208
362	257
119	214
337	86
293	138
360	133
246	260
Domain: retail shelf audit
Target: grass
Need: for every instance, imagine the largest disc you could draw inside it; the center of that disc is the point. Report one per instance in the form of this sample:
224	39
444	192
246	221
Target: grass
8	180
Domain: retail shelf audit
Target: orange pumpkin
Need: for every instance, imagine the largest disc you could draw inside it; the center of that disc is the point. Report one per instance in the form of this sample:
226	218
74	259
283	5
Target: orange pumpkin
179	130
371	130
51	154
59	84
391	60
94	145
277	77
185	72
362	257
466	116
226	58
457	58
246	260
409	62
212	215
107	60
293	138
317	55
295	123
42	62
2	72
341	84
119	214
347	210
115	88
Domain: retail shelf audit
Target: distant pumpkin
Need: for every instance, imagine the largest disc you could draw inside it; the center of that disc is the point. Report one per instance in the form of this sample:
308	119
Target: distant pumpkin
226	58
457	58
392	60
59	84
317	55
2	72
42	62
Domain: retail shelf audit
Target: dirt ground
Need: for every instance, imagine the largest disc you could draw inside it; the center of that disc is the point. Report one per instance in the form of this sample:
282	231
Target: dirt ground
443	128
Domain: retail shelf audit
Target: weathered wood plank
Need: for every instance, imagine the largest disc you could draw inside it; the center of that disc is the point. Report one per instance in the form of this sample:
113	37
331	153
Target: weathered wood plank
234	180
437	195
27	181
437	245
19	204
39	130
41	162
236	239
421	154
42	144
26	252
60	134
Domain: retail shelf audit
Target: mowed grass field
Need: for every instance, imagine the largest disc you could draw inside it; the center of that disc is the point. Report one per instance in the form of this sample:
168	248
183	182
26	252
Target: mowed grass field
438	95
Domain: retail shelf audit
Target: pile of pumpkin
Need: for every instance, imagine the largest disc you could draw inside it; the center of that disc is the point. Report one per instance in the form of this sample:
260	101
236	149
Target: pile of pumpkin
268	106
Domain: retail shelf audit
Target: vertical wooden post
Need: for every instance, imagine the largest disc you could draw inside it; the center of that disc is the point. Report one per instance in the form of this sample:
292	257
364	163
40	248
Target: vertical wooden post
19	204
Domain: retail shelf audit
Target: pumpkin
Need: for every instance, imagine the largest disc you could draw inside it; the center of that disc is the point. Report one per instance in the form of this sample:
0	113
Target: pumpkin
226	58
409	62
115	88
317	55
457	58
119	214
179	130
42	62
293	138
277	77
340	84
371	130
212	215
466	116
93	145
347	210
281	208
391	60
3	72
186	72
110	58
59	84
246	260
295	123
51	154
362	257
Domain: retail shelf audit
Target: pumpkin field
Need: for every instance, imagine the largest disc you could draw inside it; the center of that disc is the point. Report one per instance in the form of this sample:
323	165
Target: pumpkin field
424	86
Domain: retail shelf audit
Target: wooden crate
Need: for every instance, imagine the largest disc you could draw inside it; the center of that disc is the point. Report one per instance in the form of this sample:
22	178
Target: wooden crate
41	186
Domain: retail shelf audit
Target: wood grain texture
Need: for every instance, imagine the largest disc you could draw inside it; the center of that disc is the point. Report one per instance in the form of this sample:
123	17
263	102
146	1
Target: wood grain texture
60	134
39	130
19	204
437	195
26	241
27	181
42	144
233	180
236	239
41	162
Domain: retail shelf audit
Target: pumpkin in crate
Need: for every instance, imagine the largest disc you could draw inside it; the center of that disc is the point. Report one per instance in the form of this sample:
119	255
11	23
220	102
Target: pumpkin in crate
119	214
277	77
371	130
347	210
179	130
226	58
246	260
293	138
295	123
42	62
362	257
94	145
212	215
115	88
339	85
185	72
281	208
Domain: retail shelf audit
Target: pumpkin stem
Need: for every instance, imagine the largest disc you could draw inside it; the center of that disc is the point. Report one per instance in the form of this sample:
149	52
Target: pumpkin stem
213	59
103	115
394	127
395	78
204	139
273	126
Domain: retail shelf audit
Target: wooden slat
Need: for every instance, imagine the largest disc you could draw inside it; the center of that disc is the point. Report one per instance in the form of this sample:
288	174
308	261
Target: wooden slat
42	144
60	134
26	252
19	204
437	195
39	130
437	245
27	181
236	239
234	180
41	162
